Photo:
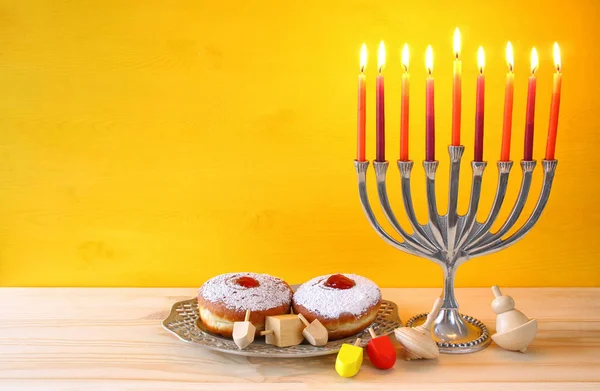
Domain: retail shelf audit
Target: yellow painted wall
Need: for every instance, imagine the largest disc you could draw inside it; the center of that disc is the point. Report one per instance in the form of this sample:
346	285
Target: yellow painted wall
162	142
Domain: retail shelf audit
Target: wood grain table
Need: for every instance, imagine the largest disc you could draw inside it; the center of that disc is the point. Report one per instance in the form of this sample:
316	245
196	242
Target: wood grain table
112	339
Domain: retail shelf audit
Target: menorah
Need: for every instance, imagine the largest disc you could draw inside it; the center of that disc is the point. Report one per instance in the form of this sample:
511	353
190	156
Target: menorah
450	240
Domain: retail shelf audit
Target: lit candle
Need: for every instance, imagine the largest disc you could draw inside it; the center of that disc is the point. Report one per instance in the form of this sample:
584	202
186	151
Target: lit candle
554	106
530	114
508	105
404	106
479	107
362	102
456	91
380	114
429	108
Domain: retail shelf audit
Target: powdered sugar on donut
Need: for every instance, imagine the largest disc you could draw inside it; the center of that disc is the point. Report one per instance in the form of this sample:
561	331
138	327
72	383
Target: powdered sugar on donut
272	292
332	303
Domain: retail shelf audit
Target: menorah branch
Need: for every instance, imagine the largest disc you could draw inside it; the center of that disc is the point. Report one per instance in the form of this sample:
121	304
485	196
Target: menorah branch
405	168
361	170
500	244
503	174
489	239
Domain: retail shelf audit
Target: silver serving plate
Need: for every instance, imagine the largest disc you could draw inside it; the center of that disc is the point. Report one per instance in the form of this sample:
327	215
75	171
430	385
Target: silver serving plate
184	322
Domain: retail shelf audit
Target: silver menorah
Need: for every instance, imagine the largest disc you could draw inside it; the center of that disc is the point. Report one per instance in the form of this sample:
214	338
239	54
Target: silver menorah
450	240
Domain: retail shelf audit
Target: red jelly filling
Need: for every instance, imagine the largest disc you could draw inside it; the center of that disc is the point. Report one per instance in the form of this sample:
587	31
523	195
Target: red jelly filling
339	281
247	282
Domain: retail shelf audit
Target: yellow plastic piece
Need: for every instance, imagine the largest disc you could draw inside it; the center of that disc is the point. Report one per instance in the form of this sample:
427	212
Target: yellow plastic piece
349	360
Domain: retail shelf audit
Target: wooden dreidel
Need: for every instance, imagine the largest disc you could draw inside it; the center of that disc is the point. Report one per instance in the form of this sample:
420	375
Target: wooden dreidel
315	333
349	359
380	350
514	330
243	332
417	341
283	330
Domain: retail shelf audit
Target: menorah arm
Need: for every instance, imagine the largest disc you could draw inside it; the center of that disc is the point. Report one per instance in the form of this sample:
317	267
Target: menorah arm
361	171
499	244
381	171
405	168
478	168
527	166
434	217
504	168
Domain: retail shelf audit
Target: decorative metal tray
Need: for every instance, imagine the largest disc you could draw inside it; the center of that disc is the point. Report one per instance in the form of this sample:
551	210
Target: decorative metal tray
184	322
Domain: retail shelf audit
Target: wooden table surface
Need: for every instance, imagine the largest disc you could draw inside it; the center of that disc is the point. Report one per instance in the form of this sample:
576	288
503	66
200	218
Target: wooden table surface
109	338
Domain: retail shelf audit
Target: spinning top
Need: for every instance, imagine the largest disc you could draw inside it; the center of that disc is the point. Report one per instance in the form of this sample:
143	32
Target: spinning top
315	333
243	332
417	341
349	359
283	330
380	350
514	330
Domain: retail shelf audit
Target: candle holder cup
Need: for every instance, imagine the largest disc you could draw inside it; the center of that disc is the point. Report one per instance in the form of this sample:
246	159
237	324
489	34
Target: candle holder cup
452	239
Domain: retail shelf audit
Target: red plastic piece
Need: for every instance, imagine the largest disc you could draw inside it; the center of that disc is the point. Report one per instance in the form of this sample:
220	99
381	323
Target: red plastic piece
381	352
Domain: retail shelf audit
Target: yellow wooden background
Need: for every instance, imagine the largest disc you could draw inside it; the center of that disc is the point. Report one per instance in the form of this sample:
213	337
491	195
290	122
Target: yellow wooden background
162	142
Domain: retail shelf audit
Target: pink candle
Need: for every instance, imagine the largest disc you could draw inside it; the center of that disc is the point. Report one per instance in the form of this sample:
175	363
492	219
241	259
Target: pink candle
530	114
554	106
362	99
508	105
380	109
479	108
456	91
429	108
404	106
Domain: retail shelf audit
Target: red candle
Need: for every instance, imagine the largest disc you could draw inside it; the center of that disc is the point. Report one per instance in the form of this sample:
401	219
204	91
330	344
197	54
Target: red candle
429	108
508	105
362	102
479	107
380	110
404	106
554	106
456	91
530	114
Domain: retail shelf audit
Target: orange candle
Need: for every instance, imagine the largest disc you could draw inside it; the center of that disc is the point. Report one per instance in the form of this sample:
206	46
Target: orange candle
508	105
456	91
404	106
530	114
554	106
362	102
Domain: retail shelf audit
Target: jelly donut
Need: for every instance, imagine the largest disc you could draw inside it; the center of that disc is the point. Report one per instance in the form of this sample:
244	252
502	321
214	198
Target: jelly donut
344	303
224	299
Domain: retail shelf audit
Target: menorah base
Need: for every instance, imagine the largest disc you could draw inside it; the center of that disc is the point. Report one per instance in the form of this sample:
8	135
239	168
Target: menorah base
454	332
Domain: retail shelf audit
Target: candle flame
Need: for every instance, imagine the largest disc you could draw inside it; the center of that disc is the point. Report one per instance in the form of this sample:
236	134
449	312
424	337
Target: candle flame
480	59
405	57
457	43
429	60
381	56
510	58
534	61
363	58
557	62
